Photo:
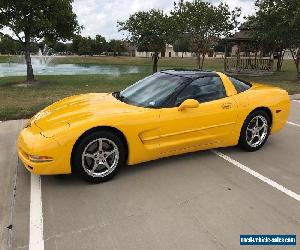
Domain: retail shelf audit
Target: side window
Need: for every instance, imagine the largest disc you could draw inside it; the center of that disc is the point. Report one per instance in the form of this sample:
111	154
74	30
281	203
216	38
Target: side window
203	90
240	85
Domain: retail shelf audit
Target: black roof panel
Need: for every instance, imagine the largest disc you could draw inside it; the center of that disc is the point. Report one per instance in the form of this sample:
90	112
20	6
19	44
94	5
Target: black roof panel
189	73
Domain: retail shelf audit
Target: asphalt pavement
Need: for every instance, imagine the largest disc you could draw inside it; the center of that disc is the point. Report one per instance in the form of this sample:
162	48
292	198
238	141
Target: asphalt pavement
202	200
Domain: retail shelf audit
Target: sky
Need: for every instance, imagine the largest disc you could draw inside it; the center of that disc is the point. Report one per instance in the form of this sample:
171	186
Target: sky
101	16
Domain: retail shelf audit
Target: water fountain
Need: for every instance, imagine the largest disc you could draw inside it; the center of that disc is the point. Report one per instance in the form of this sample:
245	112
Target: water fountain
43	58
42	65
40	62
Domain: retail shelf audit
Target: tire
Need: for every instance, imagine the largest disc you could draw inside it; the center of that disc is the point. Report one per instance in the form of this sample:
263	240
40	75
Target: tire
99	156
253	136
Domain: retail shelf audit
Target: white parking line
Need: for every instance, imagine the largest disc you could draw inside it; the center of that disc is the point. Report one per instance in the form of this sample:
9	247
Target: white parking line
36	239
259	176
294	124
296	100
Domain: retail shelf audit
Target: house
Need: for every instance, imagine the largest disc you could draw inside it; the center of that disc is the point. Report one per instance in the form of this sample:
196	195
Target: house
169	52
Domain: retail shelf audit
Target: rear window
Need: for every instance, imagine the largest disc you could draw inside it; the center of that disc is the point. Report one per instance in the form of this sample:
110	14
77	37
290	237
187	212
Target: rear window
240	85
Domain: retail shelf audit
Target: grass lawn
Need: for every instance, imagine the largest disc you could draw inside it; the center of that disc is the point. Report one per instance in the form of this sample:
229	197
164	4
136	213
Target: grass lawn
23	102
5	59
214	64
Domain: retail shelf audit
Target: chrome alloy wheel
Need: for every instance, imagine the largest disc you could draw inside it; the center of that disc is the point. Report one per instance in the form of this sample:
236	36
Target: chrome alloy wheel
257	131
100	157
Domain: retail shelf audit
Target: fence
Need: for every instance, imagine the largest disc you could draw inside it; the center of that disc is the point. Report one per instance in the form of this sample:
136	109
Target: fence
244	65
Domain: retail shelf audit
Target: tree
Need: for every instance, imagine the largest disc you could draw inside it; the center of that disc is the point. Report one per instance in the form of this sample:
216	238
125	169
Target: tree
59	47
75	44
99	45
33	20
8	46
182	44
148	30
116	46
220	46
205	23
278	28
33	47
85	46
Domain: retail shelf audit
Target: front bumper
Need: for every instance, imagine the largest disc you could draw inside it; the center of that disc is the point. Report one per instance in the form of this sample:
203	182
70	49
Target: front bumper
32	142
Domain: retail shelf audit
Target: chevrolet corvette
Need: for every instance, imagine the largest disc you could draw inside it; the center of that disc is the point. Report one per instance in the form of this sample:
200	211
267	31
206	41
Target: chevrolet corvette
168	113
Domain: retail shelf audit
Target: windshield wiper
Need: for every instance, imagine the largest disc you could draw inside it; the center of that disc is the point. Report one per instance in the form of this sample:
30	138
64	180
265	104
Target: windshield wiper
118	95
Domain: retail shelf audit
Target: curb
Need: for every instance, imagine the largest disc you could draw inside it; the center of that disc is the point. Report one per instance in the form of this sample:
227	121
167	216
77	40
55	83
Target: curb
295	97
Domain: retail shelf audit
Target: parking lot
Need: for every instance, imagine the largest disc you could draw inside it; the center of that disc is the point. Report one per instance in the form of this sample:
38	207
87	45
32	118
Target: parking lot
202	200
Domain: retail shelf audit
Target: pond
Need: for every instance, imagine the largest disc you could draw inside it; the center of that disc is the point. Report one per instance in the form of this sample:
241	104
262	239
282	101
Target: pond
19	69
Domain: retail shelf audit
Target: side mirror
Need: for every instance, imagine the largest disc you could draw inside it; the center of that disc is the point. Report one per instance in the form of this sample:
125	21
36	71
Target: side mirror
188	104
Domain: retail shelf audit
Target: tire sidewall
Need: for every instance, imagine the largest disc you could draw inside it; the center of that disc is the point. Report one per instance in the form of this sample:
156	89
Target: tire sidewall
242	140
77	156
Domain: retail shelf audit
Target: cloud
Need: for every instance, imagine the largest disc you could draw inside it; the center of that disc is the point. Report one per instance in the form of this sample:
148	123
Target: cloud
101	16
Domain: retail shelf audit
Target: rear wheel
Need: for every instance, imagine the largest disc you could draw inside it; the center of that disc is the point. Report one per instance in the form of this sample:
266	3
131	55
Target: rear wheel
99	156
255	131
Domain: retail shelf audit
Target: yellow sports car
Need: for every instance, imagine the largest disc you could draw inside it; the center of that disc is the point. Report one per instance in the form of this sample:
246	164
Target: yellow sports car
168	113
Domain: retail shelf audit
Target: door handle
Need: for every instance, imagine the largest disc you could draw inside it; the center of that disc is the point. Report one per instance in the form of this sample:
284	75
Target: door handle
226	105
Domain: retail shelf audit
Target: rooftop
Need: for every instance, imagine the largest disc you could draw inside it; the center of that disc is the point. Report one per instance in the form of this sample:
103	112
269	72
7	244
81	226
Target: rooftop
189	73
245	34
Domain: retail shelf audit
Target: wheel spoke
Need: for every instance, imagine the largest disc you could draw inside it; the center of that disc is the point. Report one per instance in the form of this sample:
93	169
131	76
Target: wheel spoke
250	129
100	145
109	153
252	137
249	139
94	167
89	155
105	163
256	123
262	127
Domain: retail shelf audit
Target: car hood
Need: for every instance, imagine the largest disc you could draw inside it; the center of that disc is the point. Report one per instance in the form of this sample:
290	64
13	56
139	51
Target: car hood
76	108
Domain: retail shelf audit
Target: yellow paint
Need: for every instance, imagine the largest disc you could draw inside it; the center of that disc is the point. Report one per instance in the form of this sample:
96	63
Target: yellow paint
150	133
188	104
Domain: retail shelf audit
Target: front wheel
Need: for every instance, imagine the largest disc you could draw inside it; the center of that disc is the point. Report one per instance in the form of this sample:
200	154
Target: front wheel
255	131
99	156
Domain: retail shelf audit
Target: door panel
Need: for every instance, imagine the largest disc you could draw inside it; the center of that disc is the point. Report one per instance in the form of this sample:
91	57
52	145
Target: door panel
210	125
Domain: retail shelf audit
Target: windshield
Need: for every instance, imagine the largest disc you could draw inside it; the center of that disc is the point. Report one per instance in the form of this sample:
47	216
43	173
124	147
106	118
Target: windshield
151	91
